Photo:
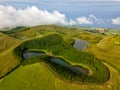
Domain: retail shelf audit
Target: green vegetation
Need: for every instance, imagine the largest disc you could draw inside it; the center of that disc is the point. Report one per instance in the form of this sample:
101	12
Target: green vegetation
7	60
101	58
55	44
108	48
7	43
31	77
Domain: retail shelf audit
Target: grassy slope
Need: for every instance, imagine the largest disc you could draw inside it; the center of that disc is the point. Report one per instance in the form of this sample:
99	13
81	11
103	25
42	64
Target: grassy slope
7	59
30	77
7	43
7	63
1	34
108	50
41	30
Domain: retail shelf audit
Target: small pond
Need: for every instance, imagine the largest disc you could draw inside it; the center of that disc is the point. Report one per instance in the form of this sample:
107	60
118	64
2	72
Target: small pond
31	54
80	44
76	69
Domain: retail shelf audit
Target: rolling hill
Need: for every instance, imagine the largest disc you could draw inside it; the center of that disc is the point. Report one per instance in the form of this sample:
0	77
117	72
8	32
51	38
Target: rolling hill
101	59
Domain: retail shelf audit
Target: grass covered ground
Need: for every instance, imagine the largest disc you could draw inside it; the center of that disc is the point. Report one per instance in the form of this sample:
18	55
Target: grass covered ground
7	59
108	51
31	75
7	43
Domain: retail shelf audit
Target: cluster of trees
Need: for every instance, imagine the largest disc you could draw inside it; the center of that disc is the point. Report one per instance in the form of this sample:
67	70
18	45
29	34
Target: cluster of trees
55	44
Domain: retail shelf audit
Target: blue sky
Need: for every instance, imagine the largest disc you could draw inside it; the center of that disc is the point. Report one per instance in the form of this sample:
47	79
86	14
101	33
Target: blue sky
108	11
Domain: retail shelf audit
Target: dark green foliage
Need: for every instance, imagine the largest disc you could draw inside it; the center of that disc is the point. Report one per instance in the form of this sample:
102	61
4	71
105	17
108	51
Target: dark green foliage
55	44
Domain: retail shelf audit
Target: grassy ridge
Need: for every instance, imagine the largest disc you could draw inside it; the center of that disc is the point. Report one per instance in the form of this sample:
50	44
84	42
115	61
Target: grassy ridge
55	44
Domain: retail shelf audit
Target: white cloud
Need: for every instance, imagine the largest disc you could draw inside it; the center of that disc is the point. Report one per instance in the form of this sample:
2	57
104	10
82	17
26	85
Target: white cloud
31	16
116	21
83	20
95	19
91	19
72	22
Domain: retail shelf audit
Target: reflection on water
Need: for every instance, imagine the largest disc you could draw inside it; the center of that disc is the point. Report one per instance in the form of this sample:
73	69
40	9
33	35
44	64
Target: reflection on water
80	44
76	69
32	54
